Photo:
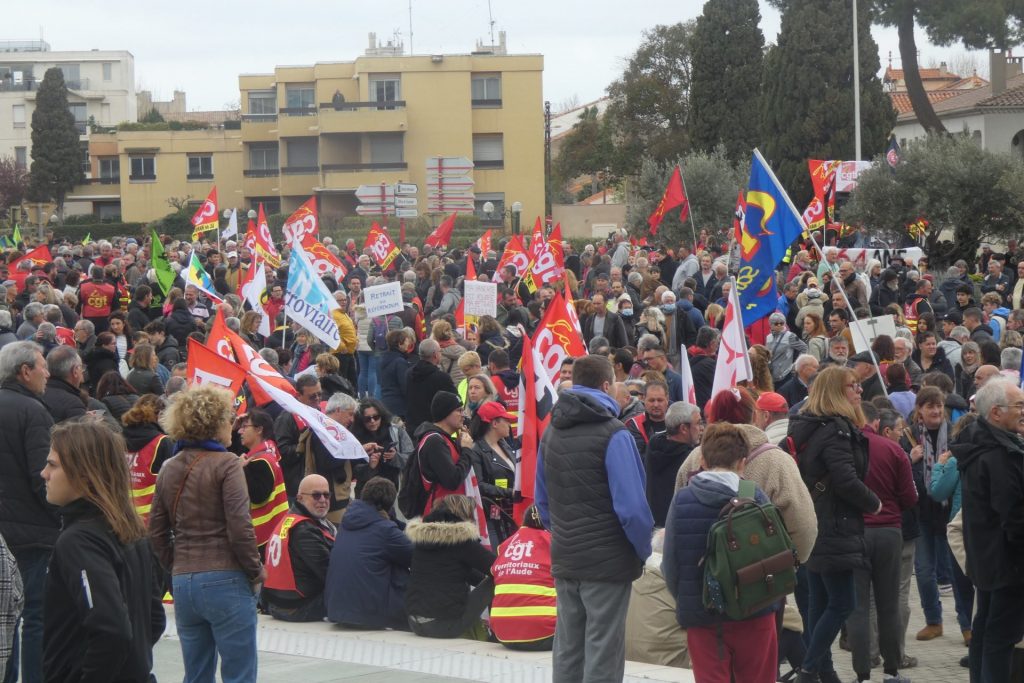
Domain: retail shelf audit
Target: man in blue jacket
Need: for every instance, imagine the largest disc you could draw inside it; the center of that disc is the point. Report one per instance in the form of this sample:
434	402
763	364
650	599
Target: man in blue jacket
590	492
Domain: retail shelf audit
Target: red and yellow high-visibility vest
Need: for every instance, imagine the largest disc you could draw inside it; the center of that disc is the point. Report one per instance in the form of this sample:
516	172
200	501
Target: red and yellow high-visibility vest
266	514
523	609
280	575
140	468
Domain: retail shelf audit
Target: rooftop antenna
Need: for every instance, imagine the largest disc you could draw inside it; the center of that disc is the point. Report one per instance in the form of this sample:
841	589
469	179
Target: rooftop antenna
490	15
410	28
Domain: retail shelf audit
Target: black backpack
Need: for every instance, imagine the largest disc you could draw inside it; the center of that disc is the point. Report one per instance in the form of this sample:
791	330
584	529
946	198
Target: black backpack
414	491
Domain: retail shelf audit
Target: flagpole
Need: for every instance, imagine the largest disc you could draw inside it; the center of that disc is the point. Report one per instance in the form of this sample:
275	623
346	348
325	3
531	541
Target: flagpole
689	207
284	331
800	219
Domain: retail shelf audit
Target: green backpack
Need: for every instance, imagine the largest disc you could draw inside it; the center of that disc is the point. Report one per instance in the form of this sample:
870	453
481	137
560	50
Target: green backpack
750	562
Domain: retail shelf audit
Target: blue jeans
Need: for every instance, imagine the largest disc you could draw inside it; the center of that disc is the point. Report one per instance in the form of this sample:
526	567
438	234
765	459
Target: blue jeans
216	615
926	561
32	564
832	599
369	364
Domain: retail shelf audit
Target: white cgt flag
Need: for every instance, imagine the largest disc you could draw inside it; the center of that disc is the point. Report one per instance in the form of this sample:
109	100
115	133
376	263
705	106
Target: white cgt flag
338	440
308	301
733	359
253	291
689	391
232	229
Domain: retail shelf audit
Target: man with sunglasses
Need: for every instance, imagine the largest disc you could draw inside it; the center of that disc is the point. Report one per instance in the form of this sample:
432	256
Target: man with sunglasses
298	554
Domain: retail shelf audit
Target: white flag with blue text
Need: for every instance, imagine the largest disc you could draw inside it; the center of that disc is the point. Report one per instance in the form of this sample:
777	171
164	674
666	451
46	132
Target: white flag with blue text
308	301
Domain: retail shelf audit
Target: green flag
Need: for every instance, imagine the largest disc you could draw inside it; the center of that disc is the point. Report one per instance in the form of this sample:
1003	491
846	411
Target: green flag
88	238
164	273
17	235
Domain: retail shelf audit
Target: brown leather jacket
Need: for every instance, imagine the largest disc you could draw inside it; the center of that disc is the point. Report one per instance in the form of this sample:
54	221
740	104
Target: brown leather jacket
211	528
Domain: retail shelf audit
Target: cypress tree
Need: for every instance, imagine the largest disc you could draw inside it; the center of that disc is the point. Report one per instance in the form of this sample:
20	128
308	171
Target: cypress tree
727	48
807	101
56	152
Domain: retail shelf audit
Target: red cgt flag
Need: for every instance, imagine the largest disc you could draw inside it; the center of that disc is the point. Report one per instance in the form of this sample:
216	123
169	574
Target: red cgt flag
675	195
536	399
384	250
302	226
442	234
206	366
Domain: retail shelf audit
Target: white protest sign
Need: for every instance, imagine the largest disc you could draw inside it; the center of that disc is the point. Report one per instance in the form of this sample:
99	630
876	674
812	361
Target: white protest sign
867	330
481	298
860	257
383	299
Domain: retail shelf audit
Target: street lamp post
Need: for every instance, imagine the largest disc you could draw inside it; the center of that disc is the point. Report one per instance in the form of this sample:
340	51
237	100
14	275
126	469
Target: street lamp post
513	214
517	210
856	84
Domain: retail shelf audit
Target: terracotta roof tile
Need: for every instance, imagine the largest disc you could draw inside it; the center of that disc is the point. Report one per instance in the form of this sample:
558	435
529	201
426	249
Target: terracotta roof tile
972	99
901	100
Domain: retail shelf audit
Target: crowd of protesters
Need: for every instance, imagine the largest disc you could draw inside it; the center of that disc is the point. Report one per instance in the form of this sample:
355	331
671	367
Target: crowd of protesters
897	469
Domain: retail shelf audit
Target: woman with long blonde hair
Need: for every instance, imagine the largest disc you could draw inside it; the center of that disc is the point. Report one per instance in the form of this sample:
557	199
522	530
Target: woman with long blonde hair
102	612
832	455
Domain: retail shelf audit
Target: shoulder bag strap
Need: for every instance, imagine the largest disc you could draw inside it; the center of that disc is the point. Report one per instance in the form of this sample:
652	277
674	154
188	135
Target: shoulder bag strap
181	486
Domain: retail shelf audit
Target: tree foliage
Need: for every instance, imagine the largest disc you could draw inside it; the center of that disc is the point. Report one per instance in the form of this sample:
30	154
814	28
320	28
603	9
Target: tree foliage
711	181
152	116
13	182
650	101
807	103
587	150
967	195
727	54
56	152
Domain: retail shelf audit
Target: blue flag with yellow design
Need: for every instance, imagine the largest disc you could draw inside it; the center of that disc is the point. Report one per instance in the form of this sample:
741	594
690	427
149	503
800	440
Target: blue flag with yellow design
770	225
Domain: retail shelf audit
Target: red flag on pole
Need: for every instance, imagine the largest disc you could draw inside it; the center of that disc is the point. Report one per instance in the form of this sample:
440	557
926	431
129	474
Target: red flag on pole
674	196
536	399
206	366
558	336
442	234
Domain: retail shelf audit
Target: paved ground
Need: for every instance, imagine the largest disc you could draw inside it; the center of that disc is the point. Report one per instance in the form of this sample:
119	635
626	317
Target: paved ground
316	653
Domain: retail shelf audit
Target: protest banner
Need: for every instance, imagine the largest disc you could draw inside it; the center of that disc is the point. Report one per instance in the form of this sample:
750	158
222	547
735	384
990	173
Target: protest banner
481	298
383	299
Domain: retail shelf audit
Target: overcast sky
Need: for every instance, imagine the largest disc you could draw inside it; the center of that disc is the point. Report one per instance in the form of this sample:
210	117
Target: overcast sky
201	47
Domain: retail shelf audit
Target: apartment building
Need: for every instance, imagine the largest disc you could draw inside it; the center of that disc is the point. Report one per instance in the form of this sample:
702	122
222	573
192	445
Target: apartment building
330	127
138	174
101	86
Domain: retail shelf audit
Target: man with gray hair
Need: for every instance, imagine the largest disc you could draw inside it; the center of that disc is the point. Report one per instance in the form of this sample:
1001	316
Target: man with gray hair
63	395
796	387
990	457
27	522
1009	363
33	315
784	347
339	473
424	380
7	335
666	453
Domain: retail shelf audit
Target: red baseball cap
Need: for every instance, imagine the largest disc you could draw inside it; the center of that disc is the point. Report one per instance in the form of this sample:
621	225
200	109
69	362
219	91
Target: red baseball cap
492	410
771	402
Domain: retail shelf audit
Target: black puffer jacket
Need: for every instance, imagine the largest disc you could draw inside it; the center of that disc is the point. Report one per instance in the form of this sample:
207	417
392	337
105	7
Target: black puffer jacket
833	459
423	381
180	324
447	560
103	611
64	401
98	362
662	460
26	519
119	404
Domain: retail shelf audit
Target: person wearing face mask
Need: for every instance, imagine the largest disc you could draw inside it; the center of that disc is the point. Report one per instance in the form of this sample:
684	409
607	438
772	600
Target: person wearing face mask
626	312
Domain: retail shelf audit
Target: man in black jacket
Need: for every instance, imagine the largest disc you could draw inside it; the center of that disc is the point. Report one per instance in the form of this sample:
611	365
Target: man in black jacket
666	453
298	554
27	521
603	323
702	363
138	310
990	457
63	395
167	350
424	381
444	461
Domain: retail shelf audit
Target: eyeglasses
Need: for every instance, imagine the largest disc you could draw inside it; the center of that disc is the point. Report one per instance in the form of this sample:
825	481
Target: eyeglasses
375	418
855	386
1016	406
319	495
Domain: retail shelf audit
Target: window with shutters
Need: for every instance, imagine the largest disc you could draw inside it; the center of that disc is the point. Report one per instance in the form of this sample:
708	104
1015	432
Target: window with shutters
488	150
486	91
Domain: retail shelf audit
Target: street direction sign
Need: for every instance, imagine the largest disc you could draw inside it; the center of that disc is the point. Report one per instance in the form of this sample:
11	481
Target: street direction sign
449	164
406	201
405	188
375	193
375	209
406	213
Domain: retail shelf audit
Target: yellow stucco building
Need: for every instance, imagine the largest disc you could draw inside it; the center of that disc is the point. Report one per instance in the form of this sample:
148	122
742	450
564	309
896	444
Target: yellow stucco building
327	128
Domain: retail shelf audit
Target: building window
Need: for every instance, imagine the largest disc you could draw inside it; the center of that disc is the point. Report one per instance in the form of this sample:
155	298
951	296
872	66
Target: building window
200	166
72	76
386	148
496	217
488	151
486	90
108	71
271	205
21	156
81	113
300	97
110	169
385	88
143	168
263	103
302	156
18	114
86	161
263	158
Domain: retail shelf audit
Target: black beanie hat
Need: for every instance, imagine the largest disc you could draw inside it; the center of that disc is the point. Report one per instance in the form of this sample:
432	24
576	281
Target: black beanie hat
443	404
